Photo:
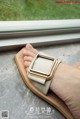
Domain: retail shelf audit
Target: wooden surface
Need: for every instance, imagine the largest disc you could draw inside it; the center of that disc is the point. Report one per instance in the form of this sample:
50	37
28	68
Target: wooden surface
16	98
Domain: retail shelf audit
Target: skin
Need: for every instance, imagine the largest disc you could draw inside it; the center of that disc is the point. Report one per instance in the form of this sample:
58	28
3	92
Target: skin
66	77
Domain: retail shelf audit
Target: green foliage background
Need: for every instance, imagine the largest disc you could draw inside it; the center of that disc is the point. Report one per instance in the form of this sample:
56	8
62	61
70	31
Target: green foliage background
37	10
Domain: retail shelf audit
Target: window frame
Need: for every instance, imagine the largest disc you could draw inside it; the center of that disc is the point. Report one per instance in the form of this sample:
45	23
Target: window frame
15	34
